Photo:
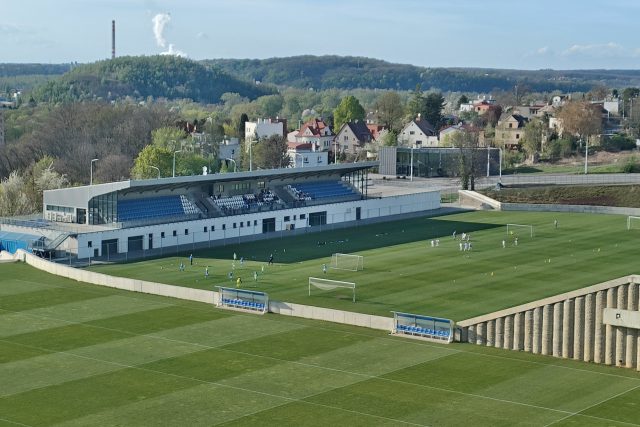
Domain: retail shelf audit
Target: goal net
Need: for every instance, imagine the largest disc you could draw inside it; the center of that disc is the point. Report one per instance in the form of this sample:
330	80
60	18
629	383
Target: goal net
331	285
633	222
523	229
347	262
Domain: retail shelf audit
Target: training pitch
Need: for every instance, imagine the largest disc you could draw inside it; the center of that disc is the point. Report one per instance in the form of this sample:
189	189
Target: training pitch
80	355
403	272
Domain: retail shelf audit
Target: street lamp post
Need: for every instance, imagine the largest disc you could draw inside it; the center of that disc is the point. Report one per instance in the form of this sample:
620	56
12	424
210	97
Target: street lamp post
586	154
91	177
411	163
234	163
174	162
500	179
153	167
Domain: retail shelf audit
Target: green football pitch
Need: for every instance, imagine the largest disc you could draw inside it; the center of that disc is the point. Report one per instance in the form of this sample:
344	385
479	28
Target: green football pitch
80	355
403	272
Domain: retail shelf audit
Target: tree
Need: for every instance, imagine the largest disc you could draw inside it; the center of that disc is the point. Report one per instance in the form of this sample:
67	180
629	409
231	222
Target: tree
534	132
271	153
462	100
243	119
13	199
348	110
433	105
390	110
390	139
468	143
168	137
416	104
270	105
581	118
152	155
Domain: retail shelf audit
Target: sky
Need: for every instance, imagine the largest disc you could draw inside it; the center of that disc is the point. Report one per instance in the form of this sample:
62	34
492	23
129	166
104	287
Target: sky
558	34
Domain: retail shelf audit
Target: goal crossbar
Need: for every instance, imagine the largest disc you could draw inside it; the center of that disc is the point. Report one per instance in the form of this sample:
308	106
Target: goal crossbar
510	228
630	221
329	285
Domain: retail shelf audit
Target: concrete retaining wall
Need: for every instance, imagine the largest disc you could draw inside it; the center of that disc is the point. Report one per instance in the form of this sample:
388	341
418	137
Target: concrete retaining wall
568	325
198	295
477	201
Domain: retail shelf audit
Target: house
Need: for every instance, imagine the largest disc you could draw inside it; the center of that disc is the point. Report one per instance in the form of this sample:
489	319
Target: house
229	148
556	125
315	132
446	134
530	111
509	130
560	100
479	105
352	137
302	155
264	128
418	133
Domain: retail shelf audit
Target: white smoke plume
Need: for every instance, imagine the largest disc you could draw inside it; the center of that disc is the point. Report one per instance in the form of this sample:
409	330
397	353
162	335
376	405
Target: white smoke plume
160	22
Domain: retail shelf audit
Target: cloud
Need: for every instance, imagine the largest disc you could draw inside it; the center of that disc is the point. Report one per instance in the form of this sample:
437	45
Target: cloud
202	36
600	50
160	21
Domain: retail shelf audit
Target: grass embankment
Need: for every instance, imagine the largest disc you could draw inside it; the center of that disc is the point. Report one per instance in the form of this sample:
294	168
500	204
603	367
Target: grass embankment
596	195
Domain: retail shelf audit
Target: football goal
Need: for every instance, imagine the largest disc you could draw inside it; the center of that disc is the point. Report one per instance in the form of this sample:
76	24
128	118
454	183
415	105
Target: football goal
515	229
347	262
633	222
330	285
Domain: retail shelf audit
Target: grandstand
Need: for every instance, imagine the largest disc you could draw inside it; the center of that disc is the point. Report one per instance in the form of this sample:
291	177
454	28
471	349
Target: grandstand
120	218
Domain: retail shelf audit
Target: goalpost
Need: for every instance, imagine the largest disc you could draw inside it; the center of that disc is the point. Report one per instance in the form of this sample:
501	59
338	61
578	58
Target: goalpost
347	262
329	285
511	228
633	222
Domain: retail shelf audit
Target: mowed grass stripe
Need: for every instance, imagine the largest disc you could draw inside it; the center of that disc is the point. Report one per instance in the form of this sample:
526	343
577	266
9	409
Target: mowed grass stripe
43	298
13	286
623	408
202	405
521	382
421	405
77	398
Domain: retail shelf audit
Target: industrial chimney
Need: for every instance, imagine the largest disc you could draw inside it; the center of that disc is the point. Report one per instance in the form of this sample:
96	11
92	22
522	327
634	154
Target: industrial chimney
113	39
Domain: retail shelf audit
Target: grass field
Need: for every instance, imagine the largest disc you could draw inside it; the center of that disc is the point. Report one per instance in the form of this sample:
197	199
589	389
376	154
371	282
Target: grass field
403	272
79	355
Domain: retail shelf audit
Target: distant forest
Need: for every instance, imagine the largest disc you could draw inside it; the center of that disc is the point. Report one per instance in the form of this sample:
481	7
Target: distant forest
205	81
339	72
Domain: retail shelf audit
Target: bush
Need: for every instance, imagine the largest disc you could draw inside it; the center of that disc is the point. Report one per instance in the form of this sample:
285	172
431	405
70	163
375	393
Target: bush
617	143
632	166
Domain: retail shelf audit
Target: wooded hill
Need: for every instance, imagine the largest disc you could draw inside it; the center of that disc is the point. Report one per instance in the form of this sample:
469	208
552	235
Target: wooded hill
144	76
345	72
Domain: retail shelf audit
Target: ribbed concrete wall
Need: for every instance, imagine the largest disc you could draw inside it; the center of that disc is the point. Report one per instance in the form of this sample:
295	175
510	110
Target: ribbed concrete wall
569	325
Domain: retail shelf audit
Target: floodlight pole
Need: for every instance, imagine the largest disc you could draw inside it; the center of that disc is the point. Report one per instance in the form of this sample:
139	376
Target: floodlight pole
174	161
91	176
488	150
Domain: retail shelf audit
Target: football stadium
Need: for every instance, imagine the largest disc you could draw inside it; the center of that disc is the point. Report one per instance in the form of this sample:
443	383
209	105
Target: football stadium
314	297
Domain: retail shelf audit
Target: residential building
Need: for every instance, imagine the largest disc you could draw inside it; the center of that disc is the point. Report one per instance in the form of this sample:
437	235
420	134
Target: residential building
229	148
446	134
264	128
352	137
315	132
509	130
302	155
418	133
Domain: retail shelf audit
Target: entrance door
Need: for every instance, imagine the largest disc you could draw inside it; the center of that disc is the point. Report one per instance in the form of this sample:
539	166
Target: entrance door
358	213
268	225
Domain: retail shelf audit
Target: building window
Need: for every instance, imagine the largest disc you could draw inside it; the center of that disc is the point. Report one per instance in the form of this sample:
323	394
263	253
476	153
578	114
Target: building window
517	136
294	217
234	225
186	231
241	224
412	132
205	229
286	218
510	125
261	184
90	243
248	223
162	235
346	138
303	216
175	233
213	228
255	222
224	226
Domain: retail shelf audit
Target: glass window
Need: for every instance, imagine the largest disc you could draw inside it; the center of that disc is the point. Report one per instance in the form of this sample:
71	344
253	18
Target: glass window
287	218
90	243
205	228
175	233
162	235
186	231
